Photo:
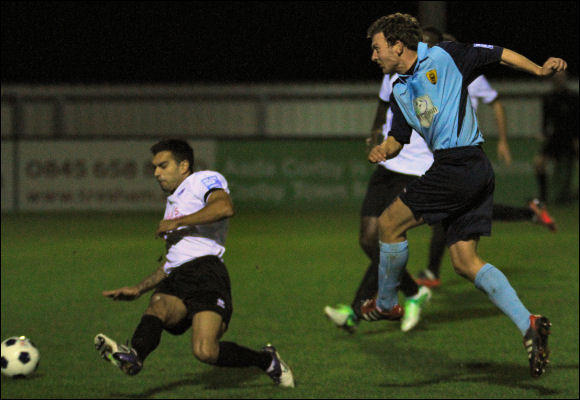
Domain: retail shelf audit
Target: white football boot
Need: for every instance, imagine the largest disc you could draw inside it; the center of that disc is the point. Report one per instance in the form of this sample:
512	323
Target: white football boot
106	348
413	307
280	373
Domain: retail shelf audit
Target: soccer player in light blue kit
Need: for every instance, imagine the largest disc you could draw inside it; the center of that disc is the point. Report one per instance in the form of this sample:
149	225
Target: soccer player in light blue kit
431	97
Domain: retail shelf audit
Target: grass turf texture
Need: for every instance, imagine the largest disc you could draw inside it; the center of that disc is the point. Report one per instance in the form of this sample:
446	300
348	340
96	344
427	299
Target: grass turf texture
285	268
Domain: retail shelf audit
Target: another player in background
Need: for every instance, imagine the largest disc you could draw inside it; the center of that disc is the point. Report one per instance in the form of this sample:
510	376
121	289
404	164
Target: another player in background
457	190
560	140
192	287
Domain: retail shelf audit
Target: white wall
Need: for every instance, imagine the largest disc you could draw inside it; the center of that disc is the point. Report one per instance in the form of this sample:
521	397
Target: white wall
305	110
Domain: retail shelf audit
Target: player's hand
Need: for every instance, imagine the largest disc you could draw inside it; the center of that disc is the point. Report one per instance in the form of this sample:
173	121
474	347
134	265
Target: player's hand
377	154
124	293
166	225
503	153
369	143
553	65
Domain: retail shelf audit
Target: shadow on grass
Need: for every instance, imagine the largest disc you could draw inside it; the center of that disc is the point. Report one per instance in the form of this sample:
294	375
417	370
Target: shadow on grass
213	379
432	319
439	369
503	374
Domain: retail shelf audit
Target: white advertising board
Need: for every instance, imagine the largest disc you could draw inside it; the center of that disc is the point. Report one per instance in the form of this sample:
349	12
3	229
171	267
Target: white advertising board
92	175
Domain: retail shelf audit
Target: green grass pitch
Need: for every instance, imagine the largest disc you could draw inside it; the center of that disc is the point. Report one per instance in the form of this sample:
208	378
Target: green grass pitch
285	267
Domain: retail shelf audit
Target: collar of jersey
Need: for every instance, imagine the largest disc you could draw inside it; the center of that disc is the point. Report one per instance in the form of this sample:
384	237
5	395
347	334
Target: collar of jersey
180	188
422	50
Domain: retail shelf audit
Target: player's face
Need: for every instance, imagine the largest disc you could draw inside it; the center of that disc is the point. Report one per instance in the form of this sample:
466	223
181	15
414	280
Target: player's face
168	172
384	55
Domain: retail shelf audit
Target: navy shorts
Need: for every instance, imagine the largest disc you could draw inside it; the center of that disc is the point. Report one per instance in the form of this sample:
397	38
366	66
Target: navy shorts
202	284
457	191
383	188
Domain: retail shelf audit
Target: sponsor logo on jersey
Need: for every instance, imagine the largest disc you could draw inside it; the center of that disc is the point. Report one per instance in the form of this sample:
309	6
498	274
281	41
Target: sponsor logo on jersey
425	110
485	46
432	76
211	182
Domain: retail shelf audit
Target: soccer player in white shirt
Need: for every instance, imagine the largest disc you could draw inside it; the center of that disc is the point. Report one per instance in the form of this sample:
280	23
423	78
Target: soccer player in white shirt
192	287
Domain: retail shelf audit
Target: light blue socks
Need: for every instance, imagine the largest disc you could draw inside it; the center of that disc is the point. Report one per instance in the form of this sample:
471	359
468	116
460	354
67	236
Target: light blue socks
393	260
489	280
493	282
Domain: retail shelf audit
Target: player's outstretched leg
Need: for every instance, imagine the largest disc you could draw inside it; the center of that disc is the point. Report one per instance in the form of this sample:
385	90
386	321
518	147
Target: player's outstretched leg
430	277
279	371
536	344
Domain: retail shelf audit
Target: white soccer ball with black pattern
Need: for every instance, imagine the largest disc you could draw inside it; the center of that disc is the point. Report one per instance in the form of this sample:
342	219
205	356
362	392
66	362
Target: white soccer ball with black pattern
20	357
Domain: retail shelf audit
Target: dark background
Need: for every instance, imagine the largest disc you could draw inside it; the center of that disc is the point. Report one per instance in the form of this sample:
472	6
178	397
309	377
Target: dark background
244	42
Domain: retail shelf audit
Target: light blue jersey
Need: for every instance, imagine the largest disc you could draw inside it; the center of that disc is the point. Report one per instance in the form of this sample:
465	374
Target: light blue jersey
433	99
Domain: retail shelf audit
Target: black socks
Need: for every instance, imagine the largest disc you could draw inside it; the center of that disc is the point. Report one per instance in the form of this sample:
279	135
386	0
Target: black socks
233	355
147	335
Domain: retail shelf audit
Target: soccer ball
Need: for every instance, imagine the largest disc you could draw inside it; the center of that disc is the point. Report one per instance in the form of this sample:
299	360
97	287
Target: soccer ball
19	357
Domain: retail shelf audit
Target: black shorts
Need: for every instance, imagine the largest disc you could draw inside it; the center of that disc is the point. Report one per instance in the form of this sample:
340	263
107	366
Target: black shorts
202	284
384	187
458	191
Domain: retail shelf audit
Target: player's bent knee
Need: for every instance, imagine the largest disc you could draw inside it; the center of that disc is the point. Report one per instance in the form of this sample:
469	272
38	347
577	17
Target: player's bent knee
206	351
390	230
157	307
165	308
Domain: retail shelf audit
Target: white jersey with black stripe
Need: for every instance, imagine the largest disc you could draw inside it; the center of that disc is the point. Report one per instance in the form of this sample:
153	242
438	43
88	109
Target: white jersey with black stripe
190	242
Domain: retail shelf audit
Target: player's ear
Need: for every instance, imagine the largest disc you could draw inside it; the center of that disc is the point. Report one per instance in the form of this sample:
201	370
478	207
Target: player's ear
184	166
399	47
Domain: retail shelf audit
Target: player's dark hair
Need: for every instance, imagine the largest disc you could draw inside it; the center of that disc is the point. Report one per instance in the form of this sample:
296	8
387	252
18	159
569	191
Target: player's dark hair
435	35
447	37
180	150
398	26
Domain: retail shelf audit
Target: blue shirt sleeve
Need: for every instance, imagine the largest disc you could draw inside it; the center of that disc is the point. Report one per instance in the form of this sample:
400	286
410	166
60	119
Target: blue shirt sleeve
400	129
471	57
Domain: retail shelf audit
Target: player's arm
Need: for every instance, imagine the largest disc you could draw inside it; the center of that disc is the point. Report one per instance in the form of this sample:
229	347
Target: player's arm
133	292
380	119
517	61
219	205
390	148
399	135
503	149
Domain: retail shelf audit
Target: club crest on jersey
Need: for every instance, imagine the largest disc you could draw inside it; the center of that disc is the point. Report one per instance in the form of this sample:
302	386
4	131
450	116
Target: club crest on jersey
432	76
425	110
